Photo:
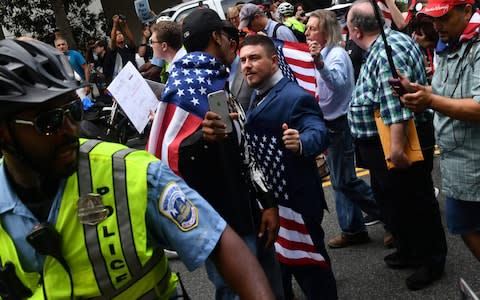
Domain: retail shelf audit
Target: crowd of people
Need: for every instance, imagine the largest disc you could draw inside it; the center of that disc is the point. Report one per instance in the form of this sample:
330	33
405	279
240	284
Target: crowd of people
84	218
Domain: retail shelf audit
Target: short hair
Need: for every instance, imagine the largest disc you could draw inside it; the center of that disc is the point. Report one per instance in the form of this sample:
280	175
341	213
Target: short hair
297	5
260	40
365	20
329	25
169	32
59	39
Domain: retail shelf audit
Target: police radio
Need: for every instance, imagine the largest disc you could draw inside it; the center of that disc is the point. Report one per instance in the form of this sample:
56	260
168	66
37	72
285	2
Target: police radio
47	241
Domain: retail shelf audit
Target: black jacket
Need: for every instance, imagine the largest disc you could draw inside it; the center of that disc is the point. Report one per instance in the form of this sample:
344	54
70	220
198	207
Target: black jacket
216	171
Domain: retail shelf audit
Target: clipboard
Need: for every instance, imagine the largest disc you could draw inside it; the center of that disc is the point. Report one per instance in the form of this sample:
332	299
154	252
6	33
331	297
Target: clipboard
412	148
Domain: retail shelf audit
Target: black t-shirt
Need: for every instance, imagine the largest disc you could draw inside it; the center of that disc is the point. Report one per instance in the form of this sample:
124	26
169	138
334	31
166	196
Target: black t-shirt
356	55
107	63
127	54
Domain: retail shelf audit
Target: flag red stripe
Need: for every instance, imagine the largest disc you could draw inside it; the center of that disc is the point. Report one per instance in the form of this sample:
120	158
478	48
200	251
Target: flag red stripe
306	78
298	62
189	126
301	261
296	46
167	118
292	245
292	225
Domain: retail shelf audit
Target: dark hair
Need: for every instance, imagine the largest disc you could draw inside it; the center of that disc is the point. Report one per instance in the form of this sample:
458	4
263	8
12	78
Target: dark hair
231	31
260	40
297	5
169	32
425	26
200	43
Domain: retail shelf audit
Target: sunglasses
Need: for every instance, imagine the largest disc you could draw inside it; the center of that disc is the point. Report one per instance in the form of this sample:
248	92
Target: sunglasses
49	122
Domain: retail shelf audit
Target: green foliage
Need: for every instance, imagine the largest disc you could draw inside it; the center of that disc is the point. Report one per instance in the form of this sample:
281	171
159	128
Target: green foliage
37	17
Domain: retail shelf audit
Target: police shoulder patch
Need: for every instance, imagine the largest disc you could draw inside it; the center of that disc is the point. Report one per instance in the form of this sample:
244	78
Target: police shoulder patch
174	205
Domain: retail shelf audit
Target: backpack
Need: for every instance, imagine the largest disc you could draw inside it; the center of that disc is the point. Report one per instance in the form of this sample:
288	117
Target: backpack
298	34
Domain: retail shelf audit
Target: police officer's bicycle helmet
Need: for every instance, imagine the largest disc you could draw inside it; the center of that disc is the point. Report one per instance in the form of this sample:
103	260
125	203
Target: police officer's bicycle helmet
285	9
32	72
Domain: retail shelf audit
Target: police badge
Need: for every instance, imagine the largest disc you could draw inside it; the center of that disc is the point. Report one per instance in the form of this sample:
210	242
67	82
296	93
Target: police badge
174	205
90	209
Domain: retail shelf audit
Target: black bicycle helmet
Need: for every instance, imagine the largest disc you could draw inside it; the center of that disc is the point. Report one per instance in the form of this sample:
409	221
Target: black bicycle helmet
32	72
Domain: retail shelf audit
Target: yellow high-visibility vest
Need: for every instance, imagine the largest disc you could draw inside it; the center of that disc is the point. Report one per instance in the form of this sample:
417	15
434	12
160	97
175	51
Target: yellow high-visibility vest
109	260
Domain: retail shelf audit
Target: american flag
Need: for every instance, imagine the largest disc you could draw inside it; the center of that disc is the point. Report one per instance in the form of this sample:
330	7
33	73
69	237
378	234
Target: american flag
472	29
297	64
184	104
294	246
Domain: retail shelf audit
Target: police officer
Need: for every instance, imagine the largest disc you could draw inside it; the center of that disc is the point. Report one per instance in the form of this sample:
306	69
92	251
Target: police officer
89	219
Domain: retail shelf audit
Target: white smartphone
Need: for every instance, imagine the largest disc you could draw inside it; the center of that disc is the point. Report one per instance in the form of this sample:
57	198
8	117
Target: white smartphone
218	102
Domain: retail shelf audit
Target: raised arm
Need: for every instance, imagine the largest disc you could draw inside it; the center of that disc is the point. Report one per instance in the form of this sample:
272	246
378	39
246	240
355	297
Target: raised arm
396	14
128	33
113	34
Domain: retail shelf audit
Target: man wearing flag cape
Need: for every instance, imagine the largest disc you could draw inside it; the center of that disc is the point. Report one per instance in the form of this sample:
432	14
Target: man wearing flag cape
192	140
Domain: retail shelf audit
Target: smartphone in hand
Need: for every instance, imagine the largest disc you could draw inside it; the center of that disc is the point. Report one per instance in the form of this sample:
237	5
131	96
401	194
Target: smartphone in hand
218	102
396	84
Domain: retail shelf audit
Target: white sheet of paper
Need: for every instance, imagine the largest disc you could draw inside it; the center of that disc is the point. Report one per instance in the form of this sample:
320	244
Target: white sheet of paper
133	95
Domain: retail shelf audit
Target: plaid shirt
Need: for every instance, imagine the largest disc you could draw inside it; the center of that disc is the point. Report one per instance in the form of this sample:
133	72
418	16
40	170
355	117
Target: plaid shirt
373	90
457	77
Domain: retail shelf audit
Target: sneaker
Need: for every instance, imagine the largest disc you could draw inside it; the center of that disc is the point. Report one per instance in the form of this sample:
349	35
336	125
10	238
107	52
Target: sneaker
345	240
171	254
423	277
370	220
388	240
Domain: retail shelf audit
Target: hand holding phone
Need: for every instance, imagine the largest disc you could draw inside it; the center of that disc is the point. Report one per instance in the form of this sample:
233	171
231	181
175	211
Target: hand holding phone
397	86
218	102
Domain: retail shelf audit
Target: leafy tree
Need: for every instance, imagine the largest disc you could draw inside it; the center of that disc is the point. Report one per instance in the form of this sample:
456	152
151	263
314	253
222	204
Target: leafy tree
43	18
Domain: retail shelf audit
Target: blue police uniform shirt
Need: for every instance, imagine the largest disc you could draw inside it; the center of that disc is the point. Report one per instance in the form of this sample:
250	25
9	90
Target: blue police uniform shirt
193	245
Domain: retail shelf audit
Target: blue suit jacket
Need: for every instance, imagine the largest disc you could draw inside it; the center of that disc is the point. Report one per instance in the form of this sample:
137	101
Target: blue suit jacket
294	178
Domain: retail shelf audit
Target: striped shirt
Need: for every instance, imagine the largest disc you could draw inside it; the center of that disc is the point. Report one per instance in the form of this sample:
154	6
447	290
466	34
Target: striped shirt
373	91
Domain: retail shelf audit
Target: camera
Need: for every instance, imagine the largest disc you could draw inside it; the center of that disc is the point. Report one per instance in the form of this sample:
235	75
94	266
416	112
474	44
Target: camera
122	17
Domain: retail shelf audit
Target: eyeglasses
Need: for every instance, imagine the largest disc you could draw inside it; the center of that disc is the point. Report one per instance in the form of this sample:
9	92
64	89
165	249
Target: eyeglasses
49	122
151	42
232	18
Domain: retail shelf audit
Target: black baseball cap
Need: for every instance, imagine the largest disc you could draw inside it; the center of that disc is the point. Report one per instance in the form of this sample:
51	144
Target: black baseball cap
197	26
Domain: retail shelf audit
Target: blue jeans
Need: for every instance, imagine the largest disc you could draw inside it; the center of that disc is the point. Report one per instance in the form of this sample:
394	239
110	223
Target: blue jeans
352	195
268	261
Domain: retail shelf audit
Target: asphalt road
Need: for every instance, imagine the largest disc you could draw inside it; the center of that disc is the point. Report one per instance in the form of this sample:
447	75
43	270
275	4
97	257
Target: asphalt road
361	272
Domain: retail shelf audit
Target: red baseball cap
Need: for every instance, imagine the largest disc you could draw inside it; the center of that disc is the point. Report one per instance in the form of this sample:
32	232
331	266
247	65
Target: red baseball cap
438	8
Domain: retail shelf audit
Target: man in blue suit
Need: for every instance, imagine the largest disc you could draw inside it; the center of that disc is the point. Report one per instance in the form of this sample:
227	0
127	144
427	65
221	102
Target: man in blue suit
285	130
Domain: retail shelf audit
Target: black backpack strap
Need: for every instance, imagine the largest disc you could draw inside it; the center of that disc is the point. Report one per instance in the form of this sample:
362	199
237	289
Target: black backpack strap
473	42
274	35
